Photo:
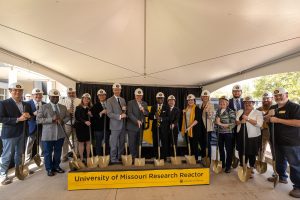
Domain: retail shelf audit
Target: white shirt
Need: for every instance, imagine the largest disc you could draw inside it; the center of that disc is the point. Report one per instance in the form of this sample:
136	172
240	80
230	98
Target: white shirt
53	106
253	131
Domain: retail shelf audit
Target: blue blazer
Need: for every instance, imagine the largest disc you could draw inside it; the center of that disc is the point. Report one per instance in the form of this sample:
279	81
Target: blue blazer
9	112
231	104
32	121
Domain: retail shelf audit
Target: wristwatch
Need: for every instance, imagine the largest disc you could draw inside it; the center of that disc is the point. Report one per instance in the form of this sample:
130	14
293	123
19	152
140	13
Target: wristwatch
248	119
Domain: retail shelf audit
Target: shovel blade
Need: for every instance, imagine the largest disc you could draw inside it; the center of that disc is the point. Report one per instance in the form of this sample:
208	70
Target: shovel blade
217	166
103	161
139	162
18	173
175	161
159	162
244	173
261	167
81	164
235	162
95	161
37	160
73	166
89	162
190	160
126	160
206	162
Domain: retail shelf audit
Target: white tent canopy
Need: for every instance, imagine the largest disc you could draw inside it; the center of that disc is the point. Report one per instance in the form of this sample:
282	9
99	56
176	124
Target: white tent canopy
151	42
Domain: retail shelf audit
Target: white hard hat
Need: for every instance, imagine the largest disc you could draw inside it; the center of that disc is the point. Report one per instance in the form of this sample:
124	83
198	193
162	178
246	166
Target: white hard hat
205	93
267	94
16	85
237	88
54	93
280	90
224	97
138	91
101	91
71	89
37	91
248	98
171	97
160	95
86	95
190	96
27	95
116	85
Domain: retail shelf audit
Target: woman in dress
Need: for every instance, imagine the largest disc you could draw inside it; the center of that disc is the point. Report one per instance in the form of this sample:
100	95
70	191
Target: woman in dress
82	123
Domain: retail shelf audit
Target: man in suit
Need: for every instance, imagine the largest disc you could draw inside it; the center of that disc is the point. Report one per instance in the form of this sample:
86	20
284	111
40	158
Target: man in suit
174	115
101	122
13	115
35	103
137	110
160	115
116	111
236	103
71	102
53	116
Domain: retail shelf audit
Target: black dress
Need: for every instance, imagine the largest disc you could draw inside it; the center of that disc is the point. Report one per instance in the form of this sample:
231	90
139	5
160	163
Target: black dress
82	130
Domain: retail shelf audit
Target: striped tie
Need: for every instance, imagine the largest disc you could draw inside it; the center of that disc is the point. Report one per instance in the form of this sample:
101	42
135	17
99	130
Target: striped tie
158	113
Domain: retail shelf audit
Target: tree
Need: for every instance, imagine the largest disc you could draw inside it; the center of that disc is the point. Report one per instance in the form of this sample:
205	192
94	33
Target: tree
290	81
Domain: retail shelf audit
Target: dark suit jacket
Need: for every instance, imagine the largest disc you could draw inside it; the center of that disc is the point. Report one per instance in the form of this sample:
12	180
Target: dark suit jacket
32	121
97	121
135	114
164	114
9	112
231	104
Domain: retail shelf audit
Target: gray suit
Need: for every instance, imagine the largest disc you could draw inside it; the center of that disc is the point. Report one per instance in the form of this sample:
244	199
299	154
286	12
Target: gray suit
134	114
51	131
117	127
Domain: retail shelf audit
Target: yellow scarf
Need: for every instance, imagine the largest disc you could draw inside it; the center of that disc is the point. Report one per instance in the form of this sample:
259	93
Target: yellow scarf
192	118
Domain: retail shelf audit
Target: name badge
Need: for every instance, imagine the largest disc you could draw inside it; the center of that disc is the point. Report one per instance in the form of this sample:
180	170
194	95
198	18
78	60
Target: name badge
282	112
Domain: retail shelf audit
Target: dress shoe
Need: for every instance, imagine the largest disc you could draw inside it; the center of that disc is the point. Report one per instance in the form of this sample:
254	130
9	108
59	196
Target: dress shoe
295	193
272	179
50	173
5	180
227	171
59	170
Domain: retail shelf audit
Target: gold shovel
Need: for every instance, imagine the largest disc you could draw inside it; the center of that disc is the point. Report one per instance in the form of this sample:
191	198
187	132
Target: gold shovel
206	159
190	159
37	158
92	162
260	166
217	164
21	171
244	172
158	162
126	159
140	161
104	160
174	160
75	163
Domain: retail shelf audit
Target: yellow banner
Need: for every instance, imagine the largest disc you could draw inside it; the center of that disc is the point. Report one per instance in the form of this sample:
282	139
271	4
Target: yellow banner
142	178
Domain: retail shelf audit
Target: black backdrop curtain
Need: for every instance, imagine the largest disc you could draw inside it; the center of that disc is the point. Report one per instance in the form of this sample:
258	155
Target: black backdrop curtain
149	92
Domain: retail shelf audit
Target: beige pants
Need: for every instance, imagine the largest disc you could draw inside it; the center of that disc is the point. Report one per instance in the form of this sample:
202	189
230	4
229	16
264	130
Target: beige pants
265	141
66	147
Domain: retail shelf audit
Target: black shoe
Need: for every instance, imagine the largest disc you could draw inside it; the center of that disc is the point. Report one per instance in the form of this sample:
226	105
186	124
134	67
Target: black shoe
227	171
59	170
50	173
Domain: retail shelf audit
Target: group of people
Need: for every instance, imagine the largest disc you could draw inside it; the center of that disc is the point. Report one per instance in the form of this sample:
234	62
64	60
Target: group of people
236	121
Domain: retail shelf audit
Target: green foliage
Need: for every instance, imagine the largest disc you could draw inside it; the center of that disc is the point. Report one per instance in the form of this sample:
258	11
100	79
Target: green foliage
290	81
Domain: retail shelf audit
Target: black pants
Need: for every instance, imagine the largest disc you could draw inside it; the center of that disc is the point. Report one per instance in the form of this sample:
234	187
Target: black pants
225	141
163	139
250	158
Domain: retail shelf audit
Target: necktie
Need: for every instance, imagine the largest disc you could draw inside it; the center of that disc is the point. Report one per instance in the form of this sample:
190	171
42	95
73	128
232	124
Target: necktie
238	106
158	113
56	109
72	109
37	106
